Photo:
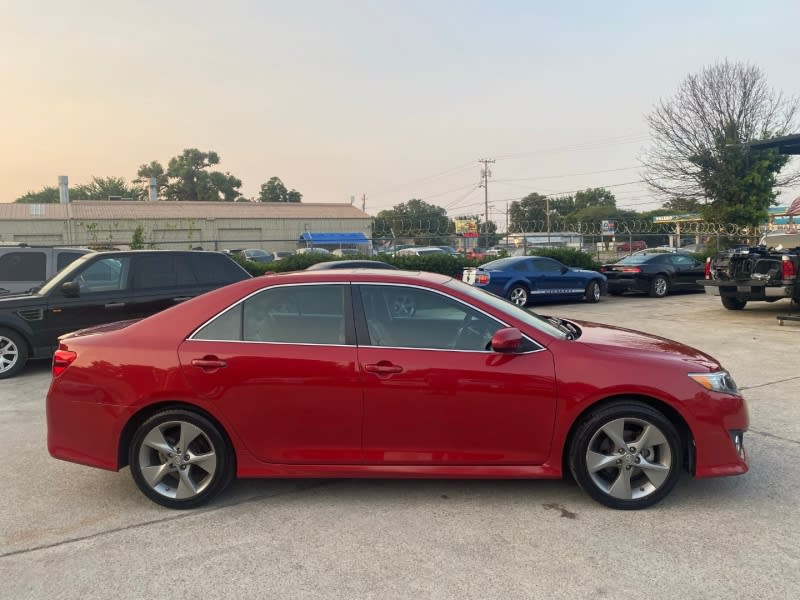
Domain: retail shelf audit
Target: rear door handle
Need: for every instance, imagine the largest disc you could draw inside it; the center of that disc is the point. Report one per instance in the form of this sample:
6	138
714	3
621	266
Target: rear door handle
115	305
383	368
209	363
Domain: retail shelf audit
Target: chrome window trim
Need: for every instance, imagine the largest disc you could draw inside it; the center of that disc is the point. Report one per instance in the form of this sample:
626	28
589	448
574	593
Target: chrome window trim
258	291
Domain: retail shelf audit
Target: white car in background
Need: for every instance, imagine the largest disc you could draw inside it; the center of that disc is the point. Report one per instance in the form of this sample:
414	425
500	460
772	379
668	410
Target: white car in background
420	251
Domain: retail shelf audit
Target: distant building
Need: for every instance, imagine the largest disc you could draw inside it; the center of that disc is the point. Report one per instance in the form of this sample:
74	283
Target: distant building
210	225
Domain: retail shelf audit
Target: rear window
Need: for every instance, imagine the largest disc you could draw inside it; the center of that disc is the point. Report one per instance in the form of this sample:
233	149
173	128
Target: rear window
636	260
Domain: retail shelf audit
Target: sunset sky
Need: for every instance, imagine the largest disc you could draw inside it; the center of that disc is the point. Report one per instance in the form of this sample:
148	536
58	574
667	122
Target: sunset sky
394	100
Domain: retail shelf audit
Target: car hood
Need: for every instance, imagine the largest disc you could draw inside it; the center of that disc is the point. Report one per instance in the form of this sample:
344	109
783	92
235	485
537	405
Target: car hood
639	345
14	301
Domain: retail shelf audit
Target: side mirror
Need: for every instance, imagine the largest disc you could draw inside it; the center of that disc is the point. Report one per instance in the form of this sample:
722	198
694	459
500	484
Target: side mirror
507	340
71	289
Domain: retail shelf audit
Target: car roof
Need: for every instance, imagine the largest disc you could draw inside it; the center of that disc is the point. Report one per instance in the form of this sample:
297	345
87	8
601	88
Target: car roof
351	264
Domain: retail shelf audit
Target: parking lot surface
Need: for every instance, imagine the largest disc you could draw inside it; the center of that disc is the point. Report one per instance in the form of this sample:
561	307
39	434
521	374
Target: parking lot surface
68	531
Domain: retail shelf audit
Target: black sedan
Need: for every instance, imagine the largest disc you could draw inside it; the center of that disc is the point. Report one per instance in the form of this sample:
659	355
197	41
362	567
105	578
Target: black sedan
656	274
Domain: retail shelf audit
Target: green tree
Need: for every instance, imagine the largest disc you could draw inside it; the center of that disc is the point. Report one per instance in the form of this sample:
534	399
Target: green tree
137	239
699	142
594	197
416	219
682	205
101	188
150	170
47	195
530	213
275	191
190	178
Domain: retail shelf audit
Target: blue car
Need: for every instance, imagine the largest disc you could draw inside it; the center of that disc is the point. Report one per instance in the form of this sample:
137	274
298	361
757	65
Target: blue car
522	279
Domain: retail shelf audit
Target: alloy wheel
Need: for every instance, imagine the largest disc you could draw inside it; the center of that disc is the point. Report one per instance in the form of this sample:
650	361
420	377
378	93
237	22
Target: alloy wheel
518	296
177	460
9	354
629	458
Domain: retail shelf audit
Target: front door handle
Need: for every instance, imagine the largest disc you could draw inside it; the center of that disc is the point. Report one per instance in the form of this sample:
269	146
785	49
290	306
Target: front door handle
115	305
209	363
383	368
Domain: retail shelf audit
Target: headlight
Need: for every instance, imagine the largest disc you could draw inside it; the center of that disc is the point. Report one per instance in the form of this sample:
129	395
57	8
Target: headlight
718	381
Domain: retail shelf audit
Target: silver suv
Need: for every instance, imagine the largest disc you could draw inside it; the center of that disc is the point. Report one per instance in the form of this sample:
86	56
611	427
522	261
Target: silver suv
25	267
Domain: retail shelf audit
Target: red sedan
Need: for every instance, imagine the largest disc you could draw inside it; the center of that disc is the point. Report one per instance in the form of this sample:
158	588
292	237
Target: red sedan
316	374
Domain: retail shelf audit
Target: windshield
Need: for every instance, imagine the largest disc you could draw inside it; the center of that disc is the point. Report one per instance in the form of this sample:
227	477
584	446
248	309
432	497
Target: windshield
64	275
512	310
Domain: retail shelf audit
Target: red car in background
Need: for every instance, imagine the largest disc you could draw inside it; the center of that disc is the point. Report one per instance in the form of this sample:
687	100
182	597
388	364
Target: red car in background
632	246
476	253
318	374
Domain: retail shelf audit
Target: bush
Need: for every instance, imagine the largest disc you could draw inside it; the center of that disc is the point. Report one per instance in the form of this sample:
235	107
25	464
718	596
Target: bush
570	257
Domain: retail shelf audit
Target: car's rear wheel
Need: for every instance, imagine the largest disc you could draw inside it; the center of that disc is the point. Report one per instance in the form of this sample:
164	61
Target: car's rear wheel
13	353
592	292
659	287
626	456
733	303
518	295
180	459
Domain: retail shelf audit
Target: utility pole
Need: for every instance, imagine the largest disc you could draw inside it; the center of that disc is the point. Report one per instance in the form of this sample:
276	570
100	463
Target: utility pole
486	173
547	209
364	202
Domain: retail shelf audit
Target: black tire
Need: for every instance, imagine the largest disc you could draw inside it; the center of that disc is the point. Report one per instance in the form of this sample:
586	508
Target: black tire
592	294
519	295
13	353
733	303
160	467
617	478
659	286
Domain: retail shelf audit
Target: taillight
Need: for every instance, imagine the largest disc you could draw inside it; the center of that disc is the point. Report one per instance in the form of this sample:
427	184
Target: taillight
482	278
61	360
603	269
789	271
707	269
631	270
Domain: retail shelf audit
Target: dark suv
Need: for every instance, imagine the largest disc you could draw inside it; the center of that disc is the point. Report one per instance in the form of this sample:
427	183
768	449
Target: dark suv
103	287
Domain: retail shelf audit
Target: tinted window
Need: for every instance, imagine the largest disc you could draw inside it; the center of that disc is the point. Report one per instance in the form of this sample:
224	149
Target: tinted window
64	258
23	266
545	265
682	261
407	317
227	326
216	269
522	266
302	314
154	271
104	275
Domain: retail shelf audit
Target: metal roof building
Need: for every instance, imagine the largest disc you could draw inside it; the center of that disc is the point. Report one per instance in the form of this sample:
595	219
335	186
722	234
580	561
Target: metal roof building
211	225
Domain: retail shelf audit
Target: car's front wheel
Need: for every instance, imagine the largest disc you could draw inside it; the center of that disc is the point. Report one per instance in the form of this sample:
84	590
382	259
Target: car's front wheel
592	292
180	459
626	456
13	353
518	295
